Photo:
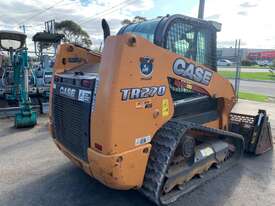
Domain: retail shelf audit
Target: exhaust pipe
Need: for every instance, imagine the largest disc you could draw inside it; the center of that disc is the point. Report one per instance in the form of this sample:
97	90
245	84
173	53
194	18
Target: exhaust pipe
105	28
201	9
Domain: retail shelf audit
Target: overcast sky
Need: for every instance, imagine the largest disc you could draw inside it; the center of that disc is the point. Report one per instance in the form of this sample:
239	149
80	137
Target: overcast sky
250	20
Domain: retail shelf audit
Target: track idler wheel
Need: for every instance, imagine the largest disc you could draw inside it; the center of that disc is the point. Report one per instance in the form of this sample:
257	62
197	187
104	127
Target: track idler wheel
187	149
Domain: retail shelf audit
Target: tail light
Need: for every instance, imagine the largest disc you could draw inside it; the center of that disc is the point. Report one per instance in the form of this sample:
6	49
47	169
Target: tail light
54	79
98	146
51	87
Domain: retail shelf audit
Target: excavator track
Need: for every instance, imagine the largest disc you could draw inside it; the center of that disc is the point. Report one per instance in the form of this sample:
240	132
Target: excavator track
164	145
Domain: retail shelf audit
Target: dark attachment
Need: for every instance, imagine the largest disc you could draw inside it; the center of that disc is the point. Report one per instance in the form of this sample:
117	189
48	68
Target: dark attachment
13	36
47	37
256	131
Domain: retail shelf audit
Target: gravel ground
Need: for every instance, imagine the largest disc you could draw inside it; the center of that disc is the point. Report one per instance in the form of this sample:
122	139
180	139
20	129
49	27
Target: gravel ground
34	172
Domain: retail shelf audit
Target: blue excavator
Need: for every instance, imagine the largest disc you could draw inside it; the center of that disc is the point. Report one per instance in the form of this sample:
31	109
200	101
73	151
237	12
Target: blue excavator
44	41
14	43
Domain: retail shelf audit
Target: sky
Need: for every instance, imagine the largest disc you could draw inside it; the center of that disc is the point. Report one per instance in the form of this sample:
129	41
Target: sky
248	20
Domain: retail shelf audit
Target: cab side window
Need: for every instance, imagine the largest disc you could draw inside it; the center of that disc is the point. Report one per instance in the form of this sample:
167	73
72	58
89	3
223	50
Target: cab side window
145	29
189	41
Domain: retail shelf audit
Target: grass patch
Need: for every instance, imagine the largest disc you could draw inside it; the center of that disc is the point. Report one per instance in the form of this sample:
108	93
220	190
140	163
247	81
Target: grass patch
255	67
253	97
249	75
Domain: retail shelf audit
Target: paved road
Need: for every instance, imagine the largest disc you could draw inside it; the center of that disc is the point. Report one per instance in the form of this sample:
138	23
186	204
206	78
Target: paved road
34	172
243	69
266	88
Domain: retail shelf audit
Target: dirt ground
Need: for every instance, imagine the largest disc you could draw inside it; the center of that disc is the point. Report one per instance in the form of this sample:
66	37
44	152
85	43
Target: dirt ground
34	172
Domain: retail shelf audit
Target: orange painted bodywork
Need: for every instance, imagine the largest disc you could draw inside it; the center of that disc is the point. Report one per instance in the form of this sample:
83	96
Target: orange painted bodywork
116	124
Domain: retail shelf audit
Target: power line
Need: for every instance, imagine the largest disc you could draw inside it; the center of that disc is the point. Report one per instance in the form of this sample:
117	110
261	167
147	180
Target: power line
89	19
54	13
46	9
17	23
109	10
36	25
10	17
26	25
65	4
7	25
36	14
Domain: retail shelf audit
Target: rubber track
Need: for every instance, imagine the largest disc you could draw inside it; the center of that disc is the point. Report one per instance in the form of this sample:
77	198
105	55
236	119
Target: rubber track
163	146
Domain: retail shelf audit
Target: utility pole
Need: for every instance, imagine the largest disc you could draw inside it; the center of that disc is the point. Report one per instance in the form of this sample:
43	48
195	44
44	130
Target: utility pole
201	9
23	27
50	26
238	67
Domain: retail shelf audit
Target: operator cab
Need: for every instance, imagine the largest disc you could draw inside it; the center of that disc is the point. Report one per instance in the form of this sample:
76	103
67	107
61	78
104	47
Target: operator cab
194	39
190	37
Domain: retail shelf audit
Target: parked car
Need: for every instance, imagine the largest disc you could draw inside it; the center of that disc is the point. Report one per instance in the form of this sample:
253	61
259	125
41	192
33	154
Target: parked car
264	63
272	71
224	62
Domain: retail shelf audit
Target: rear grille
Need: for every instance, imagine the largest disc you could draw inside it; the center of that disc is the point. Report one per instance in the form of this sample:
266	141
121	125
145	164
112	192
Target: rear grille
72	121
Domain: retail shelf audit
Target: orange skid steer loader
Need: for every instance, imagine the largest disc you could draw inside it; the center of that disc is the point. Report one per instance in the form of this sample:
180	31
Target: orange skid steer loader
151	112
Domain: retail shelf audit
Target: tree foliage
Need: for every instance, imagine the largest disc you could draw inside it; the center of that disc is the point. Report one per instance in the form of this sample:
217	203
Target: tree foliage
247	63
73	33
136	19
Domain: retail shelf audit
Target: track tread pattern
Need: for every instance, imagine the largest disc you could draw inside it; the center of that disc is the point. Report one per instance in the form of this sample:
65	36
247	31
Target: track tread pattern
164	144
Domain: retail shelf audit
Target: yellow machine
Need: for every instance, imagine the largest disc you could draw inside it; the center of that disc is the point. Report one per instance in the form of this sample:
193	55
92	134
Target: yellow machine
151	112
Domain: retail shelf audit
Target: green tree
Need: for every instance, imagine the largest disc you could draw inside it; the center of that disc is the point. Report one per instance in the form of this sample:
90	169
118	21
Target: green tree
126	22
136	19
246	63
73	33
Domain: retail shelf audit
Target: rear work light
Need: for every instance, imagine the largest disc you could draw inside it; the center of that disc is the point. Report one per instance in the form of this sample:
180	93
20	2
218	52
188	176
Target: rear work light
86	83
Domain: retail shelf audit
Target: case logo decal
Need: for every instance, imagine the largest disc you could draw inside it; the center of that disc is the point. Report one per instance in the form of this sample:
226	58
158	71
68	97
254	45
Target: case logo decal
140	93
67	91
190	71
146	66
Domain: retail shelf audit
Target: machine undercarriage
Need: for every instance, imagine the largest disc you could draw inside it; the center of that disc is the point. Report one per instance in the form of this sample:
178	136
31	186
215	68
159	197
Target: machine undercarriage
186	155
